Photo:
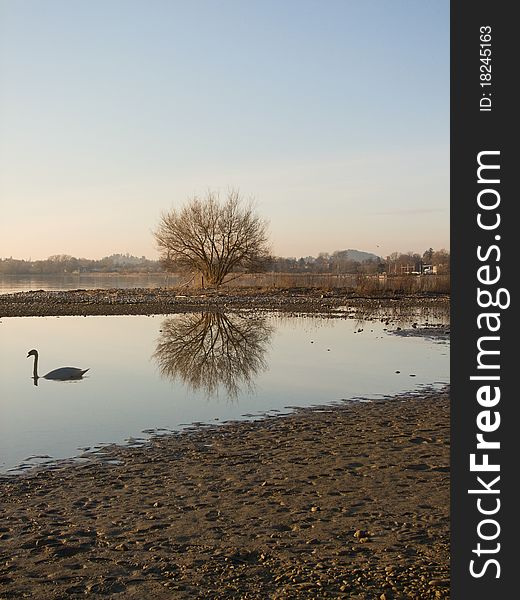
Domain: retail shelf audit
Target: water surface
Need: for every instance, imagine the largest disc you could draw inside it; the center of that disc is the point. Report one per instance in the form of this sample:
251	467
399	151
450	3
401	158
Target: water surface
160	373
86	281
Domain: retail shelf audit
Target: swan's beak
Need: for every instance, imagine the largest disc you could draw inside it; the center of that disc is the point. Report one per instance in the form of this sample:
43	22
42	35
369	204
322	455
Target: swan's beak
28	356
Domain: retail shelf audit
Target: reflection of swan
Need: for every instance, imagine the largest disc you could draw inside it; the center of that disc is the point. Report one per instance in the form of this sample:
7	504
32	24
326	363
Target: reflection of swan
61	374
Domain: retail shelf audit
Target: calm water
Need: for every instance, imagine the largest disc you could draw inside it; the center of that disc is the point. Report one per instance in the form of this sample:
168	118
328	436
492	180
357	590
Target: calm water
149	373
85	281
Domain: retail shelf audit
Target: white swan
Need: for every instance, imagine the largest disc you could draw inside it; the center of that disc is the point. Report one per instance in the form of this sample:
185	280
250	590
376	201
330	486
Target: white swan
61	374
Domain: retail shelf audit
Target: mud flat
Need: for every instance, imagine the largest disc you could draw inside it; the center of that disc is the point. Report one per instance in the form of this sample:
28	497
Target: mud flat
349	501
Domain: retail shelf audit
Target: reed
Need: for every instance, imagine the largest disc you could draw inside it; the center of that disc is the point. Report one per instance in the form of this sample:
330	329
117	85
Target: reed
354	283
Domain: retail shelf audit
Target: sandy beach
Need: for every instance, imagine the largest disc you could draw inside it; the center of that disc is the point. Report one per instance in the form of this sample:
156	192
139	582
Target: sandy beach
345	501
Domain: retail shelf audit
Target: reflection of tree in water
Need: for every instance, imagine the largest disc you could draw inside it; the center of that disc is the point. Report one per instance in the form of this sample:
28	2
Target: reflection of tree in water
208	350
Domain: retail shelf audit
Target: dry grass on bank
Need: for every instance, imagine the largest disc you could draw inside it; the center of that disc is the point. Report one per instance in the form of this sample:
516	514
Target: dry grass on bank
366	284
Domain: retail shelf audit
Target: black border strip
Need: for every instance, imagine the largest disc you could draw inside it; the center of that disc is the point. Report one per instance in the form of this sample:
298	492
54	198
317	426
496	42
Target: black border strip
473	131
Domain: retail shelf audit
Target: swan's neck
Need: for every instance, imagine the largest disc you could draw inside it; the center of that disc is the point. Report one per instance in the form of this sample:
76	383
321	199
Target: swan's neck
35	367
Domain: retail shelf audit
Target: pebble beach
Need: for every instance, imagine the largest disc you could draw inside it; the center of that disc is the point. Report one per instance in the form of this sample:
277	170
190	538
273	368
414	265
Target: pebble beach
143	301
344	501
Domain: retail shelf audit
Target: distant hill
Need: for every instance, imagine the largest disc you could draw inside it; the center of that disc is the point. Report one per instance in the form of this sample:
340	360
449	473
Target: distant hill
356	255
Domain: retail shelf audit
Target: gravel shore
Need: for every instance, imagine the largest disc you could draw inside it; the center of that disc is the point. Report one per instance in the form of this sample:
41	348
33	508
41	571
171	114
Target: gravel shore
169	300
345	501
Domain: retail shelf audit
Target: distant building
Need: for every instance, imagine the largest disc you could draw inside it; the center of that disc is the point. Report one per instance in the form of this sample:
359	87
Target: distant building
429	269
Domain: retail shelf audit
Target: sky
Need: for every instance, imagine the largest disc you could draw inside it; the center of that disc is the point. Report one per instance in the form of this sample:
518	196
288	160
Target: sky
333	115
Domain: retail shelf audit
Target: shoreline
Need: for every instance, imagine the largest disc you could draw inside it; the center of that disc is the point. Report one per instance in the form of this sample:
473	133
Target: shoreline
346	500
147	301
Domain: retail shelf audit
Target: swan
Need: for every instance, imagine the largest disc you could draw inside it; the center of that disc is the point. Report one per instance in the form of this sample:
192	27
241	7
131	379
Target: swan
61	374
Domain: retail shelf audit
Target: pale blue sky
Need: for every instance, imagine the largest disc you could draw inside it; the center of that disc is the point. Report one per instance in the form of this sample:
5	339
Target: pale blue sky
333	115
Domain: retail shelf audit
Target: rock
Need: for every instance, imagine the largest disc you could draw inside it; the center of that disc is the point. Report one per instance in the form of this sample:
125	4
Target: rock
361	534
121	547
313	542
439	582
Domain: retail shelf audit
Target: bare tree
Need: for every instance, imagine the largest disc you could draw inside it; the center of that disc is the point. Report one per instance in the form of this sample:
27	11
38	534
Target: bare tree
213	238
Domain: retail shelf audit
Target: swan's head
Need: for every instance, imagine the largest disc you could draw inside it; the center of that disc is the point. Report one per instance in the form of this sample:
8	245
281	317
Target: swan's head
32	353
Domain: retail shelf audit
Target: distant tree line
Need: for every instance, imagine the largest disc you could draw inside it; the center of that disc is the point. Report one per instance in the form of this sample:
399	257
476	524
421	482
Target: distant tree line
337	262
431	261
60	264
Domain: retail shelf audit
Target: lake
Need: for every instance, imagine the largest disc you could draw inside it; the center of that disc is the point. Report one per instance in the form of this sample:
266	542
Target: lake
157	374
10	284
